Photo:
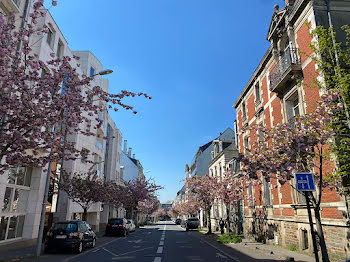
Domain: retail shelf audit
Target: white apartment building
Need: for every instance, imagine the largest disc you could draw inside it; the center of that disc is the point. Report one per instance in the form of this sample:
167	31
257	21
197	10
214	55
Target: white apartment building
21	195
105	153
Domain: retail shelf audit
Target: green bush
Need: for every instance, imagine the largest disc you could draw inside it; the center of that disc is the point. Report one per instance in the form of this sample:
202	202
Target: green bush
292	247
229	238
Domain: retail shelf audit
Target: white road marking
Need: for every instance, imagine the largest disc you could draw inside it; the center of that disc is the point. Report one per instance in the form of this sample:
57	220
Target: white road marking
160	250
135	241
134	251
157	259
110	252
161	243
220	255
88	251
94	251
162	239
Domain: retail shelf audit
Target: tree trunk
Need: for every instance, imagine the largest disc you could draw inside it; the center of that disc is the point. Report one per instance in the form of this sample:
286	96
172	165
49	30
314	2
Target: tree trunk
209	221
320	234
228	217
85	214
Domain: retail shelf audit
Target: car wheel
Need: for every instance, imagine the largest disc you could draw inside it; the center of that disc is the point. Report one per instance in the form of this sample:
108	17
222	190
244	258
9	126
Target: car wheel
93	243
80	247
187	229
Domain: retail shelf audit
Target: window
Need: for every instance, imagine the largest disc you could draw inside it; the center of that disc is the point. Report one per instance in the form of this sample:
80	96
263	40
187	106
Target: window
11	227
84	155
267	192
92	71
49	36
292	109
244	112
250	195
19	176
257	94
59	49
246	144
15	200
304	239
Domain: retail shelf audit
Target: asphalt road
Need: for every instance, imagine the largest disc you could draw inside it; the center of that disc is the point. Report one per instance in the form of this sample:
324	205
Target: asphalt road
162	242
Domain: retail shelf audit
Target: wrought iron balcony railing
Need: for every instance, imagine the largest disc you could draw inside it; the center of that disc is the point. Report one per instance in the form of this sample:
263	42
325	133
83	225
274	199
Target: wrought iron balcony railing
286	66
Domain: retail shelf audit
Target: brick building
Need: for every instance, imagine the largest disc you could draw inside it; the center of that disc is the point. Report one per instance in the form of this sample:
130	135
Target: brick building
279	89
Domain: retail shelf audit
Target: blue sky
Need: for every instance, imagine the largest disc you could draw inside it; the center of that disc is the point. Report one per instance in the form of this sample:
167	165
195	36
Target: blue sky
193	57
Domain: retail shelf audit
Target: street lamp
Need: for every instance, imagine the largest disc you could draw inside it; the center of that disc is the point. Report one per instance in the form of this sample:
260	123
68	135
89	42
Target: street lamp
103	72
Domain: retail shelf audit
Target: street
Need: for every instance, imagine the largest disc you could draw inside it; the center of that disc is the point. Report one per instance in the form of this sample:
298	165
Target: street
162	242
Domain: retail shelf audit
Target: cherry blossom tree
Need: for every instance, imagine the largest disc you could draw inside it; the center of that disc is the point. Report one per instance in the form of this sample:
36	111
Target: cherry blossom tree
160	212
139	190
84	189
231	190
148	206
43	101
205	190
114	194
302	148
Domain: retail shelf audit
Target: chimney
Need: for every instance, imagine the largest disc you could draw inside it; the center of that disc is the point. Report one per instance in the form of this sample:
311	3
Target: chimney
125	146
129	152
133	156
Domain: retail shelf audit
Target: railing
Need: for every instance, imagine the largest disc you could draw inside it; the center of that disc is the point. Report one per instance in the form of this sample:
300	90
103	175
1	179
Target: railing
290	57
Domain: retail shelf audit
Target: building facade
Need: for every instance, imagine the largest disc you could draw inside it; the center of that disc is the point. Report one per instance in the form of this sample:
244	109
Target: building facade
200	166
224	157
280	89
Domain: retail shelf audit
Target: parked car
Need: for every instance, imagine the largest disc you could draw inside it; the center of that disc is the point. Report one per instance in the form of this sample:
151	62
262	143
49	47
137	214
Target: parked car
73	235
192	223
117	226
132	226
178	221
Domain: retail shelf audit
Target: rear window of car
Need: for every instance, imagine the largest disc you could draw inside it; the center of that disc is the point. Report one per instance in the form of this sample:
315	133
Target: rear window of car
71	227
130	221
193	219
116	221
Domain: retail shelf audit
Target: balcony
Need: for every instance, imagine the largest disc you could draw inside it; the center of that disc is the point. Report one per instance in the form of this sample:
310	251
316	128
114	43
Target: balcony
287	68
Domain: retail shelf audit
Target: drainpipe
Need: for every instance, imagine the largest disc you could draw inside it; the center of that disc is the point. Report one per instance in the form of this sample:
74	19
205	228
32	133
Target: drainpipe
25	13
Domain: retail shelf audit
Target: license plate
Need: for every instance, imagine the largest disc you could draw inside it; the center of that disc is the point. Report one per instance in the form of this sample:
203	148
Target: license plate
61	236
115	226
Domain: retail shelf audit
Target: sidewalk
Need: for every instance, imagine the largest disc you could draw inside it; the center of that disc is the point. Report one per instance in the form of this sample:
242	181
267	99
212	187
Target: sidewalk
250	250
18	250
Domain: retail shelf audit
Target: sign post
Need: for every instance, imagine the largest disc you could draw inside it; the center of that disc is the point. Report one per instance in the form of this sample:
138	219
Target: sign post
305	183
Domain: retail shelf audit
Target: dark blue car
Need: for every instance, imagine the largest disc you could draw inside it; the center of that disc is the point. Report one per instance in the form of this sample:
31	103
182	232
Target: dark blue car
72	235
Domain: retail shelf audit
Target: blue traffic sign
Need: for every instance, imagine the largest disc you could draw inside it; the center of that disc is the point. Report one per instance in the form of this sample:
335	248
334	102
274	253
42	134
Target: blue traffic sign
305	182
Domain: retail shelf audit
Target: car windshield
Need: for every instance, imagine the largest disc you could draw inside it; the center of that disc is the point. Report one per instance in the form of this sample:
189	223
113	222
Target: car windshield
116	221
71	227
